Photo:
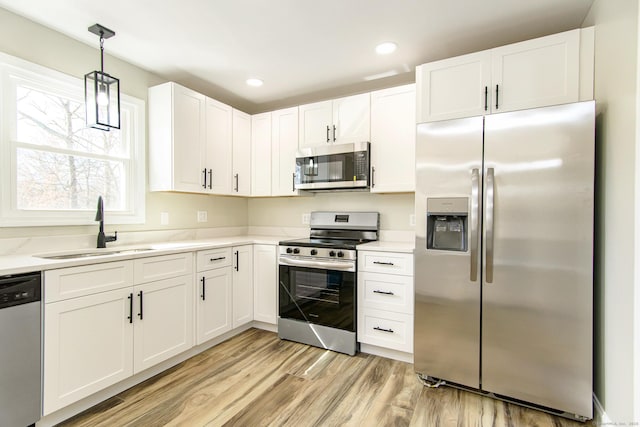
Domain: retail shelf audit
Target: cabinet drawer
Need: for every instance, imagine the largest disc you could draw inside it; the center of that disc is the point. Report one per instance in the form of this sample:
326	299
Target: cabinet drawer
162	267
214	258
386	329
74	282
386	292
386	262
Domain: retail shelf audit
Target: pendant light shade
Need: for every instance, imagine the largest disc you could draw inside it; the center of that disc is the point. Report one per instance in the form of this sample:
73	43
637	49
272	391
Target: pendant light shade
102	91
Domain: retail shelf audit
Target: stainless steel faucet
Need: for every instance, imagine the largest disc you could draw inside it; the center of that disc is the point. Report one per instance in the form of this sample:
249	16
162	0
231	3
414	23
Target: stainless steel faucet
102	239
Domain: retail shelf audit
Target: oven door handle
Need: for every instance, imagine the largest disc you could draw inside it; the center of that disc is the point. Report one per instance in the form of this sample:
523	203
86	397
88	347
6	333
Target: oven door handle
318	264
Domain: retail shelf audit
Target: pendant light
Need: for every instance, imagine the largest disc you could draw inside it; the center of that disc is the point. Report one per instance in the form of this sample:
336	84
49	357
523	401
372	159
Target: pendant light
102	91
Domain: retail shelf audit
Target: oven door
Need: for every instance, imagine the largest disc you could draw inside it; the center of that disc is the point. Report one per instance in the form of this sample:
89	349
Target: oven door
321	296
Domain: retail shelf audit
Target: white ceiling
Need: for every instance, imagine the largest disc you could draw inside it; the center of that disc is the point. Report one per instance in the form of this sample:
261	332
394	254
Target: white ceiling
302	49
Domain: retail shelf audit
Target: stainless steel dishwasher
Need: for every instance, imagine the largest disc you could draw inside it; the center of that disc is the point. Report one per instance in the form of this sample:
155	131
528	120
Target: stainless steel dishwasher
20	349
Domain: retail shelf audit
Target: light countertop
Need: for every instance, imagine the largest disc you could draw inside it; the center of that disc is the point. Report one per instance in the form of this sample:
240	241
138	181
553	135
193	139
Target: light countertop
25	263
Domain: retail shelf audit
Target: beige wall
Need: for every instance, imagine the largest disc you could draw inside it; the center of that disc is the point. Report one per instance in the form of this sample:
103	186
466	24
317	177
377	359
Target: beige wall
287	212
616	50
32	42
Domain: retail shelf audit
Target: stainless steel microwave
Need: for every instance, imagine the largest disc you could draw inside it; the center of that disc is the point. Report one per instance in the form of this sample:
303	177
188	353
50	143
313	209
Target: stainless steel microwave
334	167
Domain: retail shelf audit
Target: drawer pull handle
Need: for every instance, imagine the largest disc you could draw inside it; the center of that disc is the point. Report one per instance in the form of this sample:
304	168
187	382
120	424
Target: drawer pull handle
383	263
217	259
383	292
383	329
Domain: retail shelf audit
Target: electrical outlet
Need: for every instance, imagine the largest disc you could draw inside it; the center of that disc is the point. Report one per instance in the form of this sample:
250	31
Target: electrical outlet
306	218
164	218
202	216
412	220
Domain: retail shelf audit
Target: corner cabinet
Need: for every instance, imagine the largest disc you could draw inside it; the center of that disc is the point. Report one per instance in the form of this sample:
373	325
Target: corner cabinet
284	144
338	121
393	139
534	73
261	154
242	285
265	283
241	156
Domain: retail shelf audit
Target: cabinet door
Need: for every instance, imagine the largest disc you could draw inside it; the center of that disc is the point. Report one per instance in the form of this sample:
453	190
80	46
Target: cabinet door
214	303
453	88
242	285
219	147
88	346
284	144
535	73
316	124
393	139
241	154
265	284
352	119
261	154
188	139
163	324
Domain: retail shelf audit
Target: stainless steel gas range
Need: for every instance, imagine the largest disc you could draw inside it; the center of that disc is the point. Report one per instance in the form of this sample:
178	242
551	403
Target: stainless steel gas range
317	292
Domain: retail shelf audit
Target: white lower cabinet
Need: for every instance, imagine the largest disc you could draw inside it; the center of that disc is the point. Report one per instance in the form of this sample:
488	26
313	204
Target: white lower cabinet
242	285
88	346
214	292
115	328
385	300
163	326
265	283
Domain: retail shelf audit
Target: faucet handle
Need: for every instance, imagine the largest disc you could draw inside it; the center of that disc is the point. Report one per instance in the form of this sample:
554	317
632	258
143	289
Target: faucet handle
111	238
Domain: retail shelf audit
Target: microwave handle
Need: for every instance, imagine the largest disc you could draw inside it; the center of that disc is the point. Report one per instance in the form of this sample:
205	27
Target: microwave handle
373	174
293	181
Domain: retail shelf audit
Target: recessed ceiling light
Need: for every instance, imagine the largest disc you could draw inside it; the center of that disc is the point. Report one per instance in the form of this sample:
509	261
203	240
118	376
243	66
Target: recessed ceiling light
386	48
254	82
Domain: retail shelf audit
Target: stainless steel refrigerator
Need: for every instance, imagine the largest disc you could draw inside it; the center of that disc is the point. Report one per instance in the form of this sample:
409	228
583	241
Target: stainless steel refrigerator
504	255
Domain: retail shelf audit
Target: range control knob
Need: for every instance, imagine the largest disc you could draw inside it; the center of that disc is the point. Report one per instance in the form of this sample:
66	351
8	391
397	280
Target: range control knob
314	252
332	253
340	254
289	250
296	251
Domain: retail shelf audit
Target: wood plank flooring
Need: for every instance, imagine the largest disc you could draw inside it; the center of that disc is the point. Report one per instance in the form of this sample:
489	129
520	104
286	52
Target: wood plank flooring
256	379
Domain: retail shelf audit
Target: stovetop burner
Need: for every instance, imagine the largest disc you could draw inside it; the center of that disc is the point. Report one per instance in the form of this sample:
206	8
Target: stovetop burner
323	243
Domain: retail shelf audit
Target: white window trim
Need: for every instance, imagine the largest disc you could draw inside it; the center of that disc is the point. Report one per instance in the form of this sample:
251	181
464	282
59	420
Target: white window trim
11	217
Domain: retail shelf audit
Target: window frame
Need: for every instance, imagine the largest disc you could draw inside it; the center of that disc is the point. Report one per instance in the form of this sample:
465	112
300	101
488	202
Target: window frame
12	68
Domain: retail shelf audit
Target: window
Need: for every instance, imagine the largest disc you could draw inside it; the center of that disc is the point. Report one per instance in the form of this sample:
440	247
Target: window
53	166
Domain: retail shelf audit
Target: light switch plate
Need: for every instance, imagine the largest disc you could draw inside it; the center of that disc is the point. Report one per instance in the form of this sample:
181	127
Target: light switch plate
306	218
202	216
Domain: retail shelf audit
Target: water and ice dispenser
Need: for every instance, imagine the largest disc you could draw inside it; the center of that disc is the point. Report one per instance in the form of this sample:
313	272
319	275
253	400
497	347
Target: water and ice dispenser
447	223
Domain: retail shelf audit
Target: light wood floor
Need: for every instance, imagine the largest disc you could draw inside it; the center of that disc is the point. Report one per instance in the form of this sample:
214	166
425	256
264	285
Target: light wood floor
255	379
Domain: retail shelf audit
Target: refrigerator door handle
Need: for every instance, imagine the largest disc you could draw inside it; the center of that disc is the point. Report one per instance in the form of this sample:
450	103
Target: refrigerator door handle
489	226
474	220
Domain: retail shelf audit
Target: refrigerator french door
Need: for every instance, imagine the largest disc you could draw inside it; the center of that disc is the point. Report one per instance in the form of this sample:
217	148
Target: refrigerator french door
503	256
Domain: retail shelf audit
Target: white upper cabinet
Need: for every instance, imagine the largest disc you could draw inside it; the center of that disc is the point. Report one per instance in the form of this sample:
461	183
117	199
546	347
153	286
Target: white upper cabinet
261	154
456	87
393	138
284	144
339	121
534	73
177	139
537	72
241	179
218	147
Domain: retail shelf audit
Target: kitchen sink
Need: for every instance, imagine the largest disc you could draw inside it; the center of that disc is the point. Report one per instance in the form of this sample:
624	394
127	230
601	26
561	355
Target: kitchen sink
89	254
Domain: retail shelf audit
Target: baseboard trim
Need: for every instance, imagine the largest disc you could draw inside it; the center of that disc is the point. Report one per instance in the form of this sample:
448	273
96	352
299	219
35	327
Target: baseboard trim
599	414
